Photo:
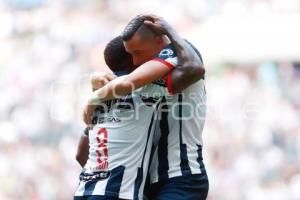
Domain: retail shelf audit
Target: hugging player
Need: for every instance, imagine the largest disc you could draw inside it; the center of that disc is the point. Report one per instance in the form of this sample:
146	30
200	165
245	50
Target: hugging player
177	159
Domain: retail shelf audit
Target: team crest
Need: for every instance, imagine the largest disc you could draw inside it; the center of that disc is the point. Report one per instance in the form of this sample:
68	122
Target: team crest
166	53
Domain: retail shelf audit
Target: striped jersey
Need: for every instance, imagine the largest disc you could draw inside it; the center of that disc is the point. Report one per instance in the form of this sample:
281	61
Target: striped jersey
120	144
178	142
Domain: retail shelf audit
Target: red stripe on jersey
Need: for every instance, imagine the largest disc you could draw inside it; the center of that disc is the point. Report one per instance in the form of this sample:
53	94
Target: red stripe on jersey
168	64
169	84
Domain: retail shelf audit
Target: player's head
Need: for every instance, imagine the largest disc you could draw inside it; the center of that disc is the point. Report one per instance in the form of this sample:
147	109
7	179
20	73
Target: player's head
141	41
116	57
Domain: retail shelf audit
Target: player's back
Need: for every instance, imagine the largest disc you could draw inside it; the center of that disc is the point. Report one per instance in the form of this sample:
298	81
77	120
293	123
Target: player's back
120	145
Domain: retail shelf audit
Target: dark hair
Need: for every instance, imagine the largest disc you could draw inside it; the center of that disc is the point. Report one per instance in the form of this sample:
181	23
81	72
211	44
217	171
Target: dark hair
132	27
116	57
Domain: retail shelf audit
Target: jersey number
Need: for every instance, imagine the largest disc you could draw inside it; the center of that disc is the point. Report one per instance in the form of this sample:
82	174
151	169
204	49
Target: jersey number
102	152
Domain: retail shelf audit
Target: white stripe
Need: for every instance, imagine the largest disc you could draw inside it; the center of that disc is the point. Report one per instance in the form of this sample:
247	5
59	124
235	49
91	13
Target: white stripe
80	189
191	131
100	187
128	181
172	61
153	173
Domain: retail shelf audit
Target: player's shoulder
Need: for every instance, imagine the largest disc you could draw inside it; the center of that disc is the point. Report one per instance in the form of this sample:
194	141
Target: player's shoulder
167	56
195	49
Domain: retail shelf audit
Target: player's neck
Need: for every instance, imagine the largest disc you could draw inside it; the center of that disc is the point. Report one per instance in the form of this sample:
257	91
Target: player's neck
165	42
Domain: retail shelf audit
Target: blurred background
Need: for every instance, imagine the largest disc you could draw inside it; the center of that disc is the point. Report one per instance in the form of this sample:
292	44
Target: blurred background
251	49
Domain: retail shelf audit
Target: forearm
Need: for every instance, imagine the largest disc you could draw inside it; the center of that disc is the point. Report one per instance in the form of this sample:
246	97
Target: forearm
114	89
184	76
180	45
181	79
190	67
83	150
143	75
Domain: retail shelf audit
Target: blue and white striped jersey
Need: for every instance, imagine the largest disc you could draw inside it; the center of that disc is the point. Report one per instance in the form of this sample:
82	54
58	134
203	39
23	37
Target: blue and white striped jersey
120	145
178	147
121	141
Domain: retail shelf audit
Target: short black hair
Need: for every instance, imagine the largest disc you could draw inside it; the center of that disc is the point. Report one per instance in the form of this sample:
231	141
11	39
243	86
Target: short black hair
116	57
132	27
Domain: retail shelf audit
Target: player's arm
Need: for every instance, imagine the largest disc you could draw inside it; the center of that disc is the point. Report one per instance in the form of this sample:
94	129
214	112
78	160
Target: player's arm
190	67
121	86
143	75
99	79
83	149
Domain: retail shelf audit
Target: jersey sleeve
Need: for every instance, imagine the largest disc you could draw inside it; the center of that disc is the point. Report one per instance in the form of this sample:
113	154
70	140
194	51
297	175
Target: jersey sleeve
167	56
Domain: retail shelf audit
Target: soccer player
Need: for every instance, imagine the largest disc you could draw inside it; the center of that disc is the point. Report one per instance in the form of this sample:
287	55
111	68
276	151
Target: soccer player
119	61
177	170
121	140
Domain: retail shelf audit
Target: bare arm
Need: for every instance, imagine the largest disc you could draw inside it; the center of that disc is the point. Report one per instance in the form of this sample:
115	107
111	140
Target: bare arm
121	86
190	67
83	150
143	75
99	79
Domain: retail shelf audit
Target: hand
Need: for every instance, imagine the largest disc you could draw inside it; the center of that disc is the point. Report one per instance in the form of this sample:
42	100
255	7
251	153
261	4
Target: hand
157	24
88	113
99	79
92	104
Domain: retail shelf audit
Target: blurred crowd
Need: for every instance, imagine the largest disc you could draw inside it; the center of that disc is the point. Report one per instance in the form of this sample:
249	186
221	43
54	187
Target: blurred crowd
49	48
252	132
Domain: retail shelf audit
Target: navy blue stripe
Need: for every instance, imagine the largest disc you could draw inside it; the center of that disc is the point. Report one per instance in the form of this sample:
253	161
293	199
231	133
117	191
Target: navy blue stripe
149	101
160	82
138	182
114	182
149	132
162	149
140	175
184	162
154	145
200	158
89	187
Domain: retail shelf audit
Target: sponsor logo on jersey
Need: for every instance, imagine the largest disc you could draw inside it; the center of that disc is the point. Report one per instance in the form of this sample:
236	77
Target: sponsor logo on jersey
94	176
112	119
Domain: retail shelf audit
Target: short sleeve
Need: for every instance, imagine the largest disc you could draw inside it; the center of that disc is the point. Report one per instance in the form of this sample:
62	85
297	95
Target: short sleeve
167	56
